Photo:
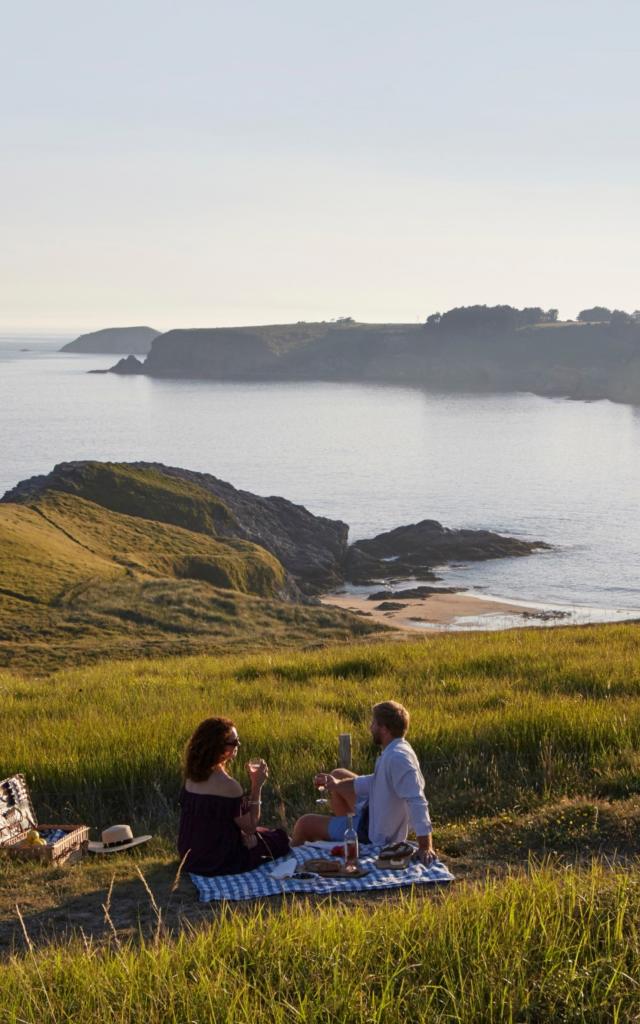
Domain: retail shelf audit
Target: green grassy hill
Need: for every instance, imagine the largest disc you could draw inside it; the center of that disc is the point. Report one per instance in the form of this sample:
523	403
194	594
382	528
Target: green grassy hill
530	744
145	493
140	563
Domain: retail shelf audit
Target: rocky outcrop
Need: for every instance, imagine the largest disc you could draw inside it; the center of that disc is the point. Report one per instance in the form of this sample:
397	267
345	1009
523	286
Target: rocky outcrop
411	593
418	549
127	366
114	341
313	550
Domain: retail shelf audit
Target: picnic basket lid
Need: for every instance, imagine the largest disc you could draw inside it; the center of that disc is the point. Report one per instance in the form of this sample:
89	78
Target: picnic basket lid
16	810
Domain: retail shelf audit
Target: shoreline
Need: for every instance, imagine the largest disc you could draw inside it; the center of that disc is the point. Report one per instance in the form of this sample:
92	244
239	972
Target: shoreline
464	611
430	614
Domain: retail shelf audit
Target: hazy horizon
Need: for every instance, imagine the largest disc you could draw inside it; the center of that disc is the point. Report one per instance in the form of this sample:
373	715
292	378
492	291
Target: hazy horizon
43	332
207	166
60	332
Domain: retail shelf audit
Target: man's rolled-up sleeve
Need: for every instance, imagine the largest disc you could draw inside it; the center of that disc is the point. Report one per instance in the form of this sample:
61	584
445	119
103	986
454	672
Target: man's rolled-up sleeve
408	784
362	785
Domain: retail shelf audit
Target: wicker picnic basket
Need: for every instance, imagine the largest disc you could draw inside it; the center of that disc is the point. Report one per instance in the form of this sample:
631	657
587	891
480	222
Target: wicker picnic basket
17	817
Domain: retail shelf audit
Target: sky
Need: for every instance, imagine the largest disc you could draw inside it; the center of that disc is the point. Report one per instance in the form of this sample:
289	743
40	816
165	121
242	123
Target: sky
208	163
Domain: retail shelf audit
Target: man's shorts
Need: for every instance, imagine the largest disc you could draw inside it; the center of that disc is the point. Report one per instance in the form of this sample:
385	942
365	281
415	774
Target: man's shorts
338	826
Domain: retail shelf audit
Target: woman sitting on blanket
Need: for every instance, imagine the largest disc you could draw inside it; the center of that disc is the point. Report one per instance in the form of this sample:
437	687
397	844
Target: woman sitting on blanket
219	832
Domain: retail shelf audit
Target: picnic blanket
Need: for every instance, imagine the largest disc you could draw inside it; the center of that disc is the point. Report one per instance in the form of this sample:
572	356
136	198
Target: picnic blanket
261	882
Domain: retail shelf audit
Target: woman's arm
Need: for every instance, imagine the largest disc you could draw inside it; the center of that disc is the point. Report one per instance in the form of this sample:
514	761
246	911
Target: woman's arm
258	774
248	822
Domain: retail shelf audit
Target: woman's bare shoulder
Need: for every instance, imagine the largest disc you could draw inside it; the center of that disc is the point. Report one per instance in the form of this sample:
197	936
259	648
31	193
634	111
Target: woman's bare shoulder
218	784
231	786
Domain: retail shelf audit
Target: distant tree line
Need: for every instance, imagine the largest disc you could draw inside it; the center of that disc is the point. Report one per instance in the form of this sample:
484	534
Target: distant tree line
508	318
602	315
490	318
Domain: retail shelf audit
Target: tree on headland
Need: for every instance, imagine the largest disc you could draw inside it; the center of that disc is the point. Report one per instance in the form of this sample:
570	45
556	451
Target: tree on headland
621	319
595	315
490	318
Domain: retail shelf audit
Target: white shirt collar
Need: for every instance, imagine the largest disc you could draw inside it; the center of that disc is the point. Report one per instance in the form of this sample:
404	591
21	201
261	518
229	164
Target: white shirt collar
394	743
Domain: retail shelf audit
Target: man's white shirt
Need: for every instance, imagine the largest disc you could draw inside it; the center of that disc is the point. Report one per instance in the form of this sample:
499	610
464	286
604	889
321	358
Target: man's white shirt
395	793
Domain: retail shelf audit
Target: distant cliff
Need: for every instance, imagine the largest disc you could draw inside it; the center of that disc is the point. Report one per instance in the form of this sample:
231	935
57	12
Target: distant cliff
576	360
114	341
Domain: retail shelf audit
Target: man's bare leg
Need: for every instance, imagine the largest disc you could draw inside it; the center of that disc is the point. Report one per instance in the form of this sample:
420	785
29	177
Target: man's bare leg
342	803
309	828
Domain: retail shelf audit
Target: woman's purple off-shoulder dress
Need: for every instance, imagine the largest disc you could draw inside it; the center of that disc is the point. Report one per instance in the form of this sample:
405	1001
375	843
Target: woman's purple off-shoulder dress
212	841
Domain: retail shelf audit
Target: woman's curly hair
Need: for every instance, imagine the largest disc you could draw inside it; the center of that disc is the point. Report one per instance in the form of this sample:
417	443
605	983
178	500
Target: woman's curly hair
205	748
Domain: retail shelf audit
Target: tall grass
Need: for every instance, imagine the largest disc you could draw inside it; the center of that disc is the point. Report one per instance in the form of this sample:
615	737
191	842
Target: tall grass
501	721
552	947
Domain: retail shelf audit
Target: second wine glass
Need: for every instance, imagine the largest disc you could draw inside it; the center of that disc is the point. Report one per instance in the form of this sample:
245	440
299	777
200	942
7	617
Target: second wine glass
323	798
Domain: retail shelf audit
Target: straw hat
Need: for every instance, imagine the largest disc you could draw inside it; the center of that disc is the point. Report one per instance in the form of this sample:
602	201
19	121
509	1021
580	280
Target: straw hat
115	839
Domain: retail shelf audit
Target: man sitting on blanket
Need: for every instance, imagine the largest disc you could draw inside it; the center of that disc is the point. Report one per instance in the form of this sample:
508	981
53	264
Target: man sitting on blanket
382	804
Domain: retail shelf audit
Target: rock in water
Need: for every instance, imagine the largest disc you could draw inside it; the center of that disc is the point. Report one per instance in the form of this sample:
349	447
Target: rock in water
417	549
126	366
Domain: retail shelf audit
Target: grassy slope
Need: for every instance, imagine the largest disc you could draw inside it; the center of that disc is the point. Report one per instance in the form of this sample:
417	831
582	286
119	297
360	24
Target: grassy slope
555	947
37	561
530	741
79	581
500	721
156	548
150	494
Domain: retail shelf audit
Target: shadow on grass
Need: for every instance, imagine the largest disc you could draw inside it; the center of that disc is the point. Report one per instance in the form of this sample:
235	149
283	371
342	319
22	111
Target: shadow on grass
125	900
142	894
150	901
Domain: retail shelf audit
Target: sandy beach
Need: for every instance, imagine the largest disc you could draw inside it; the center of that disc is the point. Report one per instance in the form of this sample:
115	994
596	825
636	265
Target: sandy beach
416	613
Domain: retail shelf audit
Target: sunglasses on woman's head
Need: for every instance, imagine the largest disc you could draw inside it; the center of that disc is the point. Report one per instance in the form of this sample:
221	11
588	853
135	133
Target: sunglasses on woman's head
233	743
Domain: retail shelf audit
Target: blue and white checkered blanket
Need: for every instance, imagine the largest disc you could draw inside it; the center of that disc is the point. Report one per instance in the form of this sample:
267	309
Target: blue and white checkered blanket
254	884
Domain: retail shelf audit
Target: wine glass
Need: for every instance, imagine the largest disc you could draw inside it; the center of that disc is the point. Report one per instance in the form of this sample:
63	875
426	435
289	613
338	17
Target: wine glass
323	799
253	764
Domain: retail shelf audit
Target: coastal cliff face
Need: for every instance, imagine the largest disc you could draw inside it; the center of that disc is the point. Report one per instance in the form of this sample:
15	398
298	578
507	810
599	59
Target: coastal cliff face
312	548
114	341
583	361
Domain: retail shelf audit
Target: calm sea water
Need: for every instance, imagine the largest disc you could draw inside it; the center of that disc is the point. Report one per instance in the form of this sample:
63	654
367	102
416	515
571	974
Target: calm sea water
376	457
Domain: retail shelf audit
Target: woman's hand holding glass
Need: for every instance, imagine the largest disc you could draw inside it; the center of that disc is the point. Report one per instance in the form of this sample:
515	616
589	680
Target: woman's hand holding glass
258	771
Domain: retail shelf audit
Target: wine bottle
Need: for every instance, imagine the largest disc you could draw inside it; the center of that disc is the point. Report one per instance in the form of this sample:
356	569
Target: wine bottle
350	842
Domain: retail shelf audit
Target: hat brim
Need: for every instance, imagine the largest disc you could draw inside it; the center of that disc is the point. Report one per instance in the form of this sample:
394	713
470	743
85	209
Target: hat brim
101	848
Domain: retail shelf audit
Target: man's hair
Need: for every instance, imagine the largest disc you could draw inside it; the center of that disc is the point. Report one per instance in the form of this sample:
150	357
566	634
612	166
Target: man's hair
393	715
